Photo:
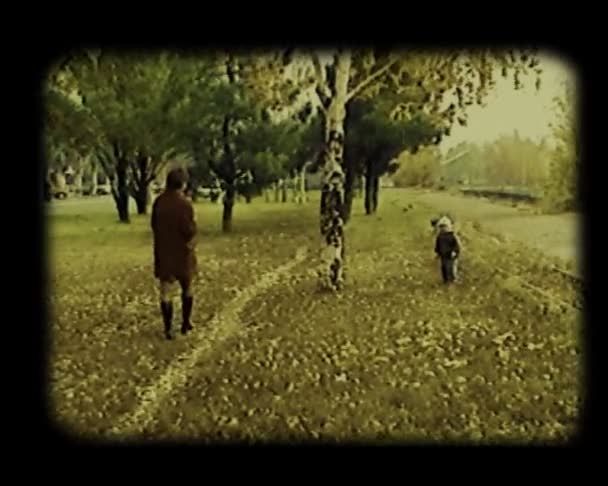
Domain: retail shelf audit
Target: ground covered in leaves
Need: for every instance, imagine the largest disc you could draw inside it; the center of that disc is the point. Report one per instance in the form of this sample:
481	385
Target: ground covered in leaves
394	357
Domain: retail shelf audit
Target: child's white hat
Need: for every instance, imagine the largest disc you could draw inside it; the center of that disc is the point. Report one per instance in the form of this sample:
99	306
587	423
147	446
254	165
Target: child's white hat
444	221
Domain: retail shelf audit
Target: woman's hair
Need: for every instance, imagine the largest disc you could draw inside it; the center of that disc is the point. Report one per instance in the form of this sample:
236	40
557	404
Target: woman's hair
176	178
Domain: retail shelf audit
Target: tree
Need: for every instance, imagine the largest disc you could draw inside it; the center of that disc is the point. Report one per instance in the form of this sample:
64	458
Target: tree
515	161
561	188
69	133
419	169
262	155
130	104
227	110
240	140
373	141
199	172
231	142
307	139
463	162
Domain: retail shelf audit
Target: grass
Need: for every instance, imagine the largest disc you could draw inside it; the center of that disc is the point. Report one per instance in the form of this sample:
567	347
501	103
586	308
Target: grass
394	357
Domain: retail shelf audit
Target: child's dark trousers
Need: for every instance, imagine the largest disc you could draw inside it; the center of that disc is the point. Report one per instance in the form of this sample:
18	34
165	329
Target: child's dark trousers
447	269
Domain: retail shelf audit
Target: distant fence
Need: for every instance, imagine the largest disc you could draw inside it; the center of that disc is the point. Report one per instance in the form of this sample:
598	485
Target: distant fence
512	193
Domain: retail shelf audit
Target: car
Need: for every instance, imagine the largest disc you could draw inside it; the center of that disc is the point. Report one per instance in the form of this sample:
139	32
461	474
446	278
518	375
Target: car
203	192
104	189
60	193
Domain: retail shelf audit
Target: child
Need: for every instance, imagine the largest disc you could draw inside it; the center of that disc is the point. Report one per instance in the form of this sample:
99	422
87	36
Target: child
447	247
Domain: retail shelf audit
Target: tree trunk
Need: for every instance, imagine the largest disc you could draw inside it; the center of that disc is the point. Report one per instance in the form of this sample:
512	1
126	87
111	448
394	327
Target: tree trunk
332	193
295	188
229	170
369	184
248	198
58	180
303	185
191	189
349	181
94	176
284	191
276	192
267	195
141	168
375	192
121	196
229	197
361	182
78	181
142	195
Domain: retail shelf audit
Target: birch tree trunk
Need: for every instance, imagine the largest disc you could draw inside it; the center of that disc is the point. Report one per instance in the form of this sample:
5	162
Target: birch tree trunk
332	192
78	181
302	188
94	179
295	192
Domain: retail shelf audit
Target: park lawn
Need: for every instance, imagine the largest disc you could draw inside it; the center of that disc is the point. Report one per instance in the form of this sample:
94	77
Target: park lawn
394	357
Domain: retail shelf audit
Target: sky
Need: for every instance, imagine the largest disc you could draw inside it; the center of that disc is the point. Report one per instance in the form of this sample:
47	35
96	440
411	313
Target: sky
528	111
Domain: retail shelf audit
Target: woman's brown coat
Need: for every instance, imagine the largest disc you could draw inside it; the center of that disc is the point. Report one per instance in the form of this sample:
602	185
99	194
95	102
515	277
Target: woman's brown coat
174	231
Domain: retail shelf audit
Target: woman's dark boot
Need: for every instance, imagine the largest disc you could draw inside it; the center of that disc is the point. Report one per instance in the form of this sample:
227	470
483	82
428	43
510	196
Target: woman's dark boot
186	311
167	311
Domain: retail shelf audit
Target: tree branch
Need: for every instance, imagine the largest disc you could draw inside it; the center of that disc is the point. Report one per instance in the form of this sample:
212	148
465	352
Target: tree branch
369	79
116	148
322	90
213	166
104	159
106	164
133	178
323	99
155	167
318	70
143	169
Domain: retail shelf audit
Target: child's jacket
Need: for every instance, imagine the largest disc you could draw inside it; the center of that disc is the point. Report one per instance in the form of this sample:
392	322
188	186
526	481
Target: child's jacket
446	244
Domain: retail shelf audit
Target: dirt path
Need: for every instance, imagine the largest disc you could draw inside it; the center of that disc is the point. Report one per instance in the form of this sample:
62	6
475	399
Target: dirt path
556	235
